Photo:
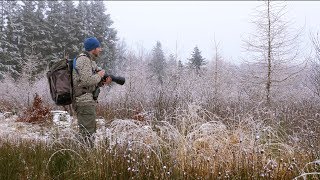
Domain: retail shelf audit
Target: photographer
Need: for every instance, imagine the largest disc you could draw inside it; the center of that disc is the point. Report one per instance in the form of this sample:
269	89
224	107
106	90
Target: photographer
86	77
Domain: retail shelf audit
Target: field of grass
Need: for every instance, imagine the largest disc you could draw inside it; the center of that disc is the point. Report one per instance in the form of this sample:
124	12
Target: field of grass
191	143
182	129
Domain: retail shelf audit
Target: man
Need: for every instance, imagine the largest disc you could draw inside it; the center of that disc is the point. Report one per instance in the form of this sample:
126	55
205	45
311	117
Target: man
86	76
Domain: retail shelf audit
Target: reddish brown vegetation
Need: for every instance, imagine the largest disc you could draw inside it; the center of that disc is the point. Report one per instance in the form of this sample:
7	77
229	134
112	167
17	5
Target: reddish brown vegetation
37	113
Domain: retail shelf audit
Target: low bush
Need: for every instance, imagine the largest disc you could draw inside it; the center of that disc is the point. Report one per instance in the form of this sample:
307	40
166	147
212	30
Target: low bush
37	113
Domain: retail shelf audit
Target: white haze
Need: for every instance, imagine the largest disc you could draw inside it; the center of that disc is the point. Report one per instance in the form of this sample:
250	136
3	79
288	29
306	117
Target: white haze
185	24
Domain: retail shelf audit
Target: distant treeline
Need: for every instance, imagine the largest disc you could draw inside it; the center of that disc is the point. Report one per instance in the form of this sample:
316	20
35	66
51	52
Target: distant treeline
32	33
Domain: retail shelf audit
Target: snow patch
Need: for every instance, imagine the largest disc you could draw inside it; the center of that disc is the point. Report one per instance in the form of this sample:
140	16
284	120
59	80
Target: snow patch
61	118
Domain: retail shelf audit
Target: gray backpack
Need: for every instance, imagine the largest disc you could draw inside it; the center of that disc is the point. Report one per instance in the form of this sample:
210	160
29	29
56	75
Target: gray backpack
60	81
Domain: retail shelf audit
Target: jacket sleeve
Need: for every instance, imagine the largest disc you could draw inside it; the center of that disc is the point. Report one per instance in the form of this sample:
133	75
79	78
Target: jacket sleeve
86	76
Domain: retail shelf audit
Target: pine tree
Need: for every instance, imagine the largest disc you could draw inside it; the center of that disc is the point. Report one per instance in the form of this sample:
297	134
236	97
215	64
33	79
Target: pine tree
70	30
2	39
82	21
172	61
31	42
28	27
101	28
196	61
10	56
55	18
40	31
158	63
42	34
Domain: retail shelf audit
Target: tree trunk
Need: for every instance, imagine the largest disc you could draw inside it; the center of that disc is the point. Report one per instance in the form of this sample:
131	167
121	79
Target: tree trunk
268	83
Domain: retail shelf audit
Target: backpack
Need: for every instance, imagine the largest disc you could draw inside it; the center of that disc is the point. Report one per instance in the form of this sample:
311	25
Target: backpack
60	81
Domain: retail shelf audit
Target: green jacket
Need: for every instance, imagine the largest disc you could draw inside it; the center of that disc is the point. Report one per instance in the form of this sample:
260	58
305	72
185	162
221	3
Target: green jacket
85	79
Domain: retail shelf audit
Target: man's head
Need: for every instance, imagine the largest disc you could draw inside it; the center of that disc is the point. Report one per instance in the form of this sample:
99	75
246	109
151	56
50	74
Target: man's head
92	45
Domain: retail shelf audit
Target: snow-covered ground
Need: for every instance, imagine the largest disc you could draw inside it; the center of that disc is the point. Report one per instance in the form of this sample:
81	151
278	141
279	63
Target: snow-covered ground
12	129
63	125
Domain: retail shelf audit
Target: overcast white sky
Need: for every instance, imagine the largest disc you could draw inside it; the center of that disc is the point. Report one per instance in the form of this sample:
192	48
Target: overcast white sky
191	23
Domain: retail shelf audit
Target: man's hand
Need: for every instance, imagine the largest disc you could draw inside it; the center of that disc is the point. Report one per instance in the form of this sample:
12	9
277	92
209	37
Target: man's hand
101	73
107	81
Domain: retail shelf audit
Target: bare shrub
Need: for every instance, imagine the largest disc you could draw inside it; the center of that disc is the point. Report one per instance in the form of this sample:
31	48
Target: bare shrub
19	93
5	105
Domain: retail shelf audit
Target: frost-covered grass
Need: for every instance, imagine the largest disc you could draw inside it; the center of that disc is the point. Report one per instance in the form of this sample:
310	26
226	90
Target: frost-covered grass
191	127
194	144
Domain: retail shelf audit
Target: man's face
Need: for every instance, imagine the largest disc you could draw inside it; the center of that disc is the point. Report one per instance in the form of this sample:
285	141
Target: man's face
97	51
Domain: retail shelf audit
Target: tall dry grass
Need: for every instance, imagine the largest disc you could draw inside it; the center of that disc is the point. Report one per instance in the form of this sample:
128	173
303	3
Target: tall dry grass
194	144
188	128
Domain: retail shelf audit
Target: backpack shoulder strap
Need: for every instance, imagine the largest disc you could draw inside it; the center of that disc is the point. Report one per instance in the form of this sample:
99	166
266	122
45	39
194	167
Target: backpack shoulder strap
75	60
74	65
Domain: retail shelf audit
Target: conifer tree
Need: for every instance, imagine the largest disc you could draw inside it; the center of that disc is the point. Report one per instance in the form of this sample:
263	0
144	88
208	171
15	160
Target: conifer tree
41	31
158	63
34	39
82	21
42	35
70	30
101	28
54	19
172	61
2	39
11	58
196	61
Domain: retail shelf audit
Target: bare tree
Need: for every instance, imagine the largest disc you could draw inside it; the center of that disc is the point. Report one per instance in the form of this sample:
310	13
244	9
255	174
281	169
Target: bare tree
274	49
217	59
314	75
316	45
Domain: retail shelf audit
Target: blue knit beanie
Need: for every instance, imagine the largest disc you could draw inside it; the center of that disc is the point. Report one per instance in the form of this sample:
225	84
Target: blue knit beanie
91	43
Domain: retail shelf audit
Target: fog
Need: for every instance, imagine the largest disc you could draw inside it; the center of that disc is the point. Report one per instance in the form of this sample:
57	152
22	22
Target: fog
181	25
